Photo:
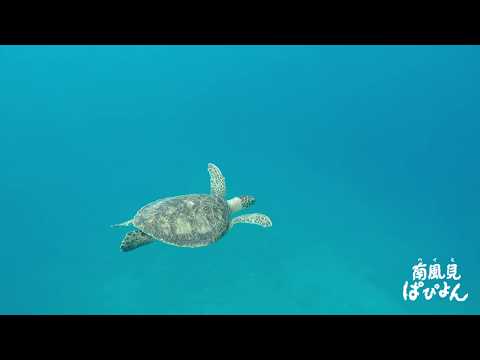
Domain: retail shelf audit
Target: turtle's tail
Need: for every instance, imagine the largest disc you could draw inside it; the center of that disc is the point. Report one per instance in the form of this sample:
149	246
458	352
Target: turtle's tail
125	223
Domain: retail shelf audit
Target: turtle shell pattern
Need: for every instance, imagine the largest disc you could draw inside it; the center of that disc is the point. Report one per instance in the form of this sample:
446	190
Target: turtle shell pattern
188	220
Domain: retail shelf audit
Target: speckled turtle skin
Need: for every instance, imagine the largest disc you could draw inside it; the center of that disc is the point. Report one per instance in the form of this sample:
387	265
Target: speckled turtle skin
187	221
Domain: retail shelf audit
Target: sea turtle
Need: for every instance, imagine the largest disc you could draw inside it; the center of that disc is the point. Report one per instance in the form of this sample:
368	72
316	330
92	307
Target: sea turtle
193	220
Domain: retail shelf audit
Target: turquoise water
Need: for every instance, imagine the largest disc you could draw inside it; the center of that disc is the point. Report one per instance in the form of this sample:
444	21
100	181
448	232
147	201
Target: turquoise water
364	157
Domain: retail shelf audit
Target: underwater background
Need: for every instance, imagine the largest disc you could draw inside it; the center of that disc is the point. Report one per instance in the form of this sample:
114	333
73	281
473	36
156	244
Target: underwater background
364	157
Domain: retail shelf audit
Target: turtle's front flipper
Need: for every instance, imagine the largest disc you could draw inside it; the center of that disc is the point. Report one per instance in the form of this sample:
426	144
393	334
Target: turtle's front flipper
217	181
257	219
135	239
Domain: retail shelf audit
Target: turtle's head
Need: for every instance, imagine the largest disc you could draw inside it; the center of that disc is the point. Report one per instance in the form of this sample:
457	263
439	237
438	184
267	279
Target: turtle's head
241	202
247	201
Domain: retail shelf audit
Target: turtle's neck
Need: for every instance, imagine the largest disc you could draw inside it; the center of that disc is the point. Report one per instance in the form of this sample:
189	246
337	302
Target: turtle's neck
235	204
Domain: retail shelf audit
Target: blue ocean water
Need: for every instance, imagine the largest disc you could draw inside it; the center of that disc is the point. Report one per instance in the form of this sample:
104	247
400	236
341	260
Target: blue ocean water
364	157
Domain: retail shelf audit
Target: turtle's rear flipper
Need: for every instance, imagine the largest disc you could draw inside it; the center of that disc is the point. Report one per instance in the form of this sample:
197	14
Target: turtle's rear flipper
125	223
135	239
